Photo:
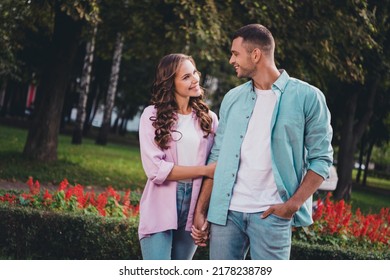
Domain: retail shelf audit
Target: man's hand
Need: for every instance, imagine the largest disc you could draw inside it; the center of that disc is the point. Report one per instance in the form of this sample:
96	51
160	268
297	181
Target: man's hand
309	185
283	210
200	230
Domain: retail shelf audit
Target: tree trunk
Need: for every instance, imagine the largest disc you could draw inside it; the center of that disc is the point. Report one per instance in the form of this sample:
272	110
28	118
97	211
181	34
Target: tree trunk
84	90
368	159
361	153
345	158
42	139
123	126
351	133
92	109
111	92
2	93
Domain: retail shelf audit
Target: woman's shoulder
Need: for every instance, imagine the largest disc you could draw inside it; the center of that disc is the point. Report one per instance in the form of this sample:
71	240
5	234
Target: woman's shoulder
149	111
213	115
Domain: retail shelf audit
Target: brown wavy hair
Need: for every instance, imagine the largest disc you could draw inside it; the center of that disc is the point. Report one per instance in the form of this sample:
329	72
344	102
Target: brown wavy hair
163	99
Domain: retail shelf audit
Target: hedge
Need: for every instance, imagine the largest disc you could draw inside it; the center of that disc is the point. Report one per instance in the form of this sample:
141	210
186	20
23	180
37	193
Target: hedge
36	234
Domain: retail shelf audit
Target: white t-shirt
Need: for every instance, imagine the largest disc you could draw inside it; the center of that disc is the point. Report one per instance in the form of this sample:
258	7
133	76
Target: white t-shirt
255	189
187	141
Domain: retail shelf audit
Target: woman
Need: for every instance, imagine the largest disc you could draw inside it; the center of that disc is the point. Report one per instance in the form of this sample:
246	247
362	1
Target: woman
176	134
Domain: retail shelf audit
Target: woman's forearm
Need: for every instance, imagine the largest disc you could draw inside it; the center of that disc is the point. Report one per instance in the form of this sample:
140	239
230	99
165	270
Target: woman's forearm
179	172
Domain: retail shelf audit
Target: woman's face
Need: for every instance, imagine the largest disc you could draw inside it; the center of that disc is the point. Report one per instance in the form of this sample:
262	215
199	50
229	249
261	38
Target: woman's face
187	81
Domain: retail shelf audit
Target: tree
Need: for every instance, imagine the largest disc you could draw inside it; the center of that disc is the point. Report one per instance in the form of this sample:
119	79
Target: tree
359	108
110	98
42	139
84	89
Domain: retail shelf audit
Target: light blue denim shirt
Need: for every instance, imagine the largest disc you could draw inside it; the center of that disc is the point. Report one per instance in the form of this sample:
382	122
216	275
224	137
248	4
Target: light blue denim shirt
301	137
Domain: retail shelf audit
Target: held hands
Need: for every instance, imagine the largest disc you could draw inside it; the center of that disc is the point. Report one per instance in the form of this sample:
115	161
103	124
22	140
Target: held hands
200	230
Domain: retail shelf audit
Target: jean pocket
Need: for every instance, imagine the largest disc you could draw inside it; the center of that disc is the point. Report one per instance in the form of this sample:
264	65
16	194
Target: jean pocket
276	217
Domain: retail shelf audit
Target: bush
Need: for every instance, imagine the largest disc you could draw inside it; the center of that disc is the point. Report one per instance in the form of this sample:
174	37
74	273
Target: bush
27	233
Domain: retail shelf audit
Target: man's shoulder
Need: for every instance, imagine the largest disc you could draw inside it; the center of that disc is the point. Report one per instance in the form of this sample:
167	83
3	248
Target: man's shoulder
301	86
236	91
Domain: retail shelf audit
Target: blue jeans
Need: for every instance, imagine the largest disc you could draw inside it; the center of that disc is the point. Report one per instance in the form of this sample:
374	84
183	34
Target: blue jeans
268	239
172	244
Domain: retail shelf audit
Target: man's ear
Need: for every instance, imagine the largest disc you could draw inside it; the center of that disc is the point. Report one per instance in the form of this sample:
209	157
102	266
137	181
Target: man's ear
256	55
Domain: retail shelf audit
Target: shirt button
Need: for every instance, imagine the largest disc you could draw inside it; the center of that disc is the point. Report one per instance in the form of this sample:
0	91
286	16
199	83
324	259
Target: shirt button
237	156
232	174
228	194
241	136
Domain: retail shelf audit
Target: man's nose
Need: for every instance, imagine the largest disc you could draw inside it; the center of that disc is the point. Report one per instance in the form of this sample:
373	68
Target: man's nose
231	60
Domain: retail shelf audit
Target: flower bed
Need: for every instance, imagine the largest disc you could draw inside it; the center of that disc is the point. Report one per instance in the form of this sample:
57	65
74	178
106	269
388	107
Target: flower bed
71	223
75	199
335	224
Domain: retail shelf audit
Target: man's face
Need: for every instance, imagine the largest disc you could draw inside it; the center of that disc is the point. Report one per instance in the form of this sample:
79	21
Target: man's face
241	59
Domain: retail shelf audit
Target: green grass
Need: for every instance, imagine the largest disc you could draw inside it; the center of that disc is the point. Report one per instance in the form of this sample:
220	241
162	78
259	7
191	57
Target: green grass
373	181
116	165
369	202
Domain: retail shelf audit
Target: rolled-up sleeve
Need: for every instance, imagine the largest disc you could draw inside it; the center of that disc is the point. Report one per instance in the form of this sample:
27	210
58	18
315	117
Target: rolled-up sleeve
214	154
153	157
318	135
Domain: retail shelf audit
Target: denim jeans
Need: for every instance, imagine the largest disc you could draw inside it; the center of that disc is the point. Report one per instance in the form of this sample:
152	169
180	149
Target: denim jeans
268	239
172	244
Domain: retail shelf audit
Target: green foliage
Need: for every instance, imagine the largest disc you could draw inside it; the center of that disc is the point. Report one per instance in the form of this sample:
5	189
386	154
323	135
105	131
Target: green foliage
304	251
35	234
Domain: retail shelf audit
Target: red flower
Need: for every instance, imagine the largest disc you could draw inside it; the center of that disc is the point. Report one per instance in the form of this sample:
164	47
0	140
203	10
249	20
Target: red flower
34	188
63	185
47	195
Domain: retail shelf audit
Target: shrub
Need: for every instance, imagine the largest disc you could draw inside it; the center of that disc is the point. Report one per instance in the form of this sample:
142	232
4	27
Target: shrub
27	233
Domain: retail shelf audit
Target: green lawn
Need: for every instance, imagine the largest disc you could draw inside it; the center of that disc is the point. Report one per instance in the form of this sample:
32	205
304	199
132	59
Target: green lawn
373	181
118	165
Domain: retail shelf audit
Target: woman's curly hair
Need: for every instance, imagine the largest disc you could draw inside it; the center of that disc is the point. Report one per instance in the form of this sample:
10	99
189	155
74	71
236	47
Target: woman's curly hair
163	99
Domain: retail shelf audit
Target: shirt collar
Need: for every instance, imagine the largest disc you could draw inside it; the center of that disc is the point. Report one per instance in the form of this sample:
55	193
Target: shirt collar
282	80
280	83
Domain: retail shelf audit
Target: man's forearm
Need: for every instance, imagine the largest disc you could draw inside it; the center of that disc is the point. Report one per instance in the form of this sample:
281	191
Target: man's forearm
309	185
202	205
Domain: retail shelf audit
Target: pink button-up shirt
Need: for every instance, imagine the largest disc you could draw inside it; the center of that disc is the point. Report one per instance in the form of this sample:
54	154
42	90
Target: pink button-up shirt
158	211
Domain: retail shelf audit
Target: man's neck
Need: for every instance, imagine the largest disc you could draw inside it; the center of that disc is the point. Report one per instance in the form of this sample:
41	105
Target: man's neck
264	79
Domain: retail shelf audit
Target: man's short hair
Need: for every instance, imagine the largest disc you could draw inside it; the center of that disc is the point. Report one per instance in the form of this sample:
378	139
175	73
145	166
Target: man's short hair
256	36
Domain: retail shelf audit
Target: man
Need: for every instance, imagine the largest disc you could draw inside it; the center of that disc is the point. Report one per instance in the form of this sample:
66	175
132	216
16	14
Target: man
273	147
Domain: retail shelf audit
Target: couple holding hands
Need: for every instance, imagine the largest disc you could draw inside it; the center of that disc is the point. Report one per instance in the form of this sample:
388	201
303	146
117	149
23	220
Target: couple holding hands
240	181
